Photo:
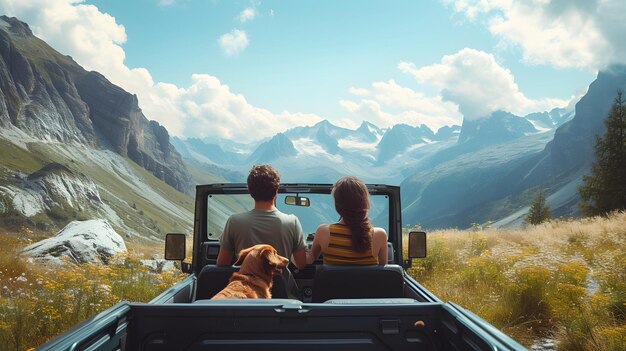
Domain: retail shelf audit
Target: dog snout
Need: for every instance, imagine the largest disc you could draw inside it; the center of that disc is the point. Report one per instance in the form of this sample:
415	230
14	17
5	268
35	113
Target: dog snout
284	261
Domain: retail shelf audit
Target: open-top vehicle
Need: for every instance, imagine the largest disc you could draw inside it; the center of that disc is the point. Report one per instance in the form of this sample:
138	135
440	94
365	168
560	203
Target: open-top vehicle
377	307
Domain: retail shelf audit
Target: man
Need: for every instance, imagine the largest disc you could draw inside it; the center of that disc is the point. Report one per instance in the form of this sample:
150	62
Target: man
264	224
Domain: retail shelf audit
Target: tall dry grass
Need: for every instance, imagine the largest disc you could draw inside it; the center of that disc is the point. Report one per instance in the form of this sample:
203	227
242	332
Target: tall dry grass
564	280
38	302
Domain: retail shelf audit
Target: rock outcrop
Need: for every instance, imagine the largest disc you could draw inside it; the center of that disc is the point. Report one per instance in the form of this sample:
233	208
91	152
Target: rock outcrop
55	190
92	241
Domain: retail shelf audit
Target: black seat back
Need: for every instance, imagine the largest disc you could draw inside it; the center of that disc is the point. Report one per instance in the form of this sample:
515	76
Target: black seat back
358	282
212	279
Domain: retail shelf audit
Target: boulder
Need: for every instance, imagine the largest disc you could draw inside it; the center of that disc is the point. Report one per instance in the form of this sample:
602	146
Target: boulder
92	241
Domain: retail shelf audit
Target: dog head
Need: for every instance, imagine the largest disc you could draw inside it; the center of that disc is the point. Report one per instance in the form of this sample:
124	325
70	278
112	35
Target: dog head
261	260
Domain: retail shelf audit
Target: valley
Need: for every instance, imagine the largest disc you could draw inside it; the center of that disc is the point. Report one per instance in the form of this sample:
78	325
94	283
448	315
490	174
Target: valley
90	185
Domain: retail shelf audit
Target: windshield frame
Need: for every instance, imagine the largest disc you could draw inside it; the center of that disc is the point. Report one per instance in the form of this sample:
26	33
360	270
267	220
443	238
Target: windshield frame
394	236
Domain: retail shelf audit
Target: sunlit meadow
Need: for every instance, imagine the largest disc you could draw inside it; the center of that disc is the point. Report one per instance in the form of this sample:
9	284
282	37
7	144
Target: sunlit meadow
38	301
564	280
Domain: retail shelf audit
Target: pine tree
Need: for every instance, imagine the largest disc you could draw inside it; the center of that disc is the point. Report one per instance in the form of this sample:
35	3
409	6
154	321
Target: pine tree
539	211
605	189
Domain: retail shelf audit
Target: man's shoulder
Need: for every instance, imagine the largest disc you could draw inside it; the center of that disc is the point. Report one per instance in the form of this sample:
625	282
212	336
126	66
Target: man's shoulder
244	216
286	217
240	216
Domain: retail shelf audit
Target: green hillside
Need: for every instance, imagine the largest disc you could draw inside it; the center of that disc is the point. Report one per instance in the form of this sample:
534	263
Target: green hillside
147	206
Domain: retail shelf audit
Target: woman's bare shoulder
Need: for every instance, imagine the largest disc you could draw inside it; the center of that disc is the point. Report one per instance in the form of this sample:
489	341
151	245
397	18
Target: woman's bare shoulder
323	230
322	235
380	233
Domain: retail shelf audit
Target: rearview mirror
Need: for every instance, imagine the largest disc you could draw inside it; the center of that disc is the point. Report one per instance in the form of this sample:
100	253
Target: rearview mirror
175	247
297	201
417	244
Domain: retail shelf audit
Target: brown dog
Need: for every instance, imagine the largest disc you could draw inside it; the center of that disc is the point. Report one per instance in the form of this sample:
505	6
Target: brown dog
259	264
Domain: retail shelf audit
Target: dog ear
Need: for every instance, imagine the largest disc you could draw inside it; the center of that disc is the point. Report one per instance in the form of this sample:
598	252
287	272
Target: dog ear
271	262
242	255
271	257
266	258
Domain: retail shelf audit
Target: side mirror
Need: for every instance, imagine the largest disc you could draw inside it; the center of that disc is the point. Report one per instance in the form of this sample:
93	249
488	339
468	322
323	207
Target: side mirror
417	244
417	247
175	247
297	201
175	250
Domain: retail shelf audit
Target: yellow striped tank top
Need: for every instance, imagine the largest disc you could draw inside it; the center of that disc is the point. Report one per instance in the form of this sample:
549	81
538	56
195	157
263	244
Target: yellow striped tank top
340	250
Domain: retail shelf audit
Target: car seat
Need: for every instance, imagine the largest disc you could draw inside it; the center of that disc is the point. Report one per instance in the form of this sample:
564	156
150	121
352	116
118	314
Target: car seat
358	281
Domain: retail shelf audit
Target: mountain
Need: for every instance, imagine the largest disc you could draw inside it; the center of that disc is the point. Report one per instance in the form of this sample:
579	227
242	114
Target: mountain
399	138
325	152
452	186
548	120
447	132
480	183
572	147
498	127
278	146
563	162
320	153
323	127
193	148
74	146
50	97
368	132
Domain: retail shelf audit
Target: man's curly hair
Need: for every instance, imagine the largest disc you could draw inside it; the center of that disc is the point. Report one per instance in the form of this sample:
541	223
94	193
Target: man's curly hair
263	182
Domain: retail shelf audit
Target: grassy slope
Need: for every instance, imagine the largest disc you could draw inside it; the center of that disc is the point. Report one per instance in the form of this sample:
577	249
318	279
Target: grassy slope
16	158
144	217
201	176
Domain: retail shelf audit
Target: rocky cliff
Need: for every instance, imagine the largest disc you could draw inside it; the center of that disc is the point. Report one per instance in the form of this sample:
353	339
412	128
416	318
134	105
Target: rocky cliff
50	97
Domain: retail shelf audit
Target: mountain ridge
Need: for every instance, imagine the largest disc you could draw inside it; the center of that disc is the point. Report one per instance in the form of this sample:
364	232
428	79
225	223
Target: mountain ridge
556	168
52	98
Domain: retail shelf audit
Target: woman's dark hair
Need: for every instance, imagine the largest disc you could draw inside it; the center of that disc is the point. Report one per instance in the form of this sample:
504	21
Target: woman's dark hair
352	203
263	182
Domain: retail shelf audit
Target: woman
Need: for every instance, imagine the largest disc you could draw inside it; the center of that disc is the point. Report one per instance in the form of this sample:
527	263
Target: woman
352	240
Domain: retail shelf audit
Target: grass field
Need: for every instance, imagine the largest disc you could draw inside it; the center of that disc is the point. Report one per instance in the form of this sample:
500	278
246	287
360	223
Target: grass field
563	280
38	302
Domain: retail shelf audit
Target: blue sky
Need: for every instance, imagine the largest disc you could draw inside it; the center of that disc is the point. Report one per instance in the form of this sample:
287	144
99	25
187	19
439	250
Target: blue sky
248	69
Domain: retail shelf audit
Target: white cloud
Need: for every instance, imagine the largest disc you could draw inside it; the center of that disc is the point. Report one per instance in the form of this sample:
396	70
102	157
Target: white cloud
248	14
210	105
370	110
358	91
475	82
564	33
206	108
388	104
392	94
234	42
